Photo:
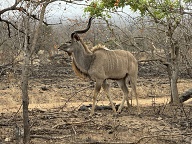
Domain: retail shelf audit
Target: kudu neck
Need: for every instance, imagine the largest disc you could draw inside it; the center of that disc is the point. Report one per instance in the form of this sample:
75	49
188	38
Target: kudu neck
82	58
87	50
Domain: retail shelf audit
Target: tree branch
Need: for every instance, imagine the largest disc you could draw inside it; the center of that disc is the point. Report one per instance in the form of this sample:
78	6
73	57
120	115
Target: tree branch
10	23
38	28
10	8
30	15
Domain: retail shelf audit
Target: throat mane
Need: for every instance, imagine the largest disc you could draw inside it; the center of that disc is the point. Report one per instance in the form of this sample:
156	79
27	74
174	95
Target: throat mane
82	59
78	72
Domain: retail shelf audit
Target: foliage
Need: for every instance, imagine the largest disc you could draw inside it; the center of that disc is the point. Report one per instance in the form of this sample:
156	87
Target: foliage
157	9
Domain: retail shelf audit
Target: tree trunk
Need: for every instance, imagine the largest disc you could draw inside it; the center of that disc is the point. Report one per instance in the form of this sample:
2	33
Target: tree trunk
169	76
25	99
174	89
175	71
173	67
28	52
24	84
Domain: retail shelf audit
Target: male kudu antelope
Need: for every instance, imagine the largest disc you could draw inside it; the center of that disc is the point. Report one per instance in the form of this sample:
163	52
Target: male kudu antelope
100	64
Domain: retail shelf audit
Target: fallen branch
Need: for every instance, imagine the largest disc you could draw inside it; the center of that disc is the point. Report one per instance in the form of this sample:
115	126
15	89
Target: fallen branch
50	137
185	96
163	135
71	123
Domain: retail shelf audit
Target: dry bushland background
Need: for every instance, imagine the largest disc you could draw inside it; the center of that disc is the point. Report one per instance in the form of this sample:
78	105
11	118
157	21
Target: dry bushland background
59	102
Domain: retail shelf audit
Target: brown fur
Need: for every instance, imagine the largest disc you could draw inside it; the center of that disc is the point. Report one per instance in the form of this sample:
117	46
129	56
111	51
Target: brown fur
78	72
76	69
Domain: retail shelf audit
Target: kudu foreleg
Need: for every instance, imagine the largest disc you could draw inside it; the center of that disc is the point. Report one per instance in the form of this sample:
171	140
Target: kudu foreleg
105	86
96	91
106	89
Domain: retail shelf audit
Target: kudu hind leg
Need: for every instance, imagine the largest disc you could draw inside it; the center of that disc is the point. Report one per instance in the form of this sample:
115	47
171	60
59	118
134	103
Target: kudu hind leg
129	94
133	86
124	88
106	89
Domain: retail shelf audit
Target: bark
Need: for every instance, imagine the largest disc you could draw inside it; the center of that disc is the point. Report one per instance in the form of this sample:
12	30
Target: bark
172	70
173	67
24	85
174	89
25	99
175	71
169	76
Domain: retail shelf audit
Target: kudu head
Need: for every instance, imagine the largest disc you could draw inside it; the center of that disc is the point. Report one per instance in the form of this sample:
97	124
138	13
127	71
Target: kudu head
70	45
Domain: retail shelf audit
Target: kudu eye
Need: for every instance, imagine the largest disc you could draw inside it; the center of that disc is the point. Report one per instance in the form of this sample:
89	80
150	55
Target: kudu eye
69	42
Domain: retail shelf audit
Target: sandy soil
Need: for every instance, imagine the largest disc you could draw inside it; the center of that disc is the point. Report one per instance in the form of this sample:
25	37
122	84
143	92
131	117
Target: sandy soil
55	116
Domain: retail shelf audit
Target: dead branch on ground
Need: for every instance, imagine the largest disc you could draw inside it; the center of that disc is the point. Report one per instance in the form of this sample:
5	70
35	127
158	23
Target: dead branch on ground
72	123
161	135
48	137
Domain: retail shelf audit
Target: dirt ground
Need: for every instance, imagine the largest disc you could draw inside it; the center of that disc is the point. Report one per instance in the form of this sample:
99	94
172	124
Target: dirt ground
56	96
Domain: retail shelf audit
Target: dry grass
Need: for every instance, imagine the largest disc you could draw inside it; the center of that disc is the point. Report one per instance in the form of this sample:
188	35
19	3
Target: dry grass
10	98
52	124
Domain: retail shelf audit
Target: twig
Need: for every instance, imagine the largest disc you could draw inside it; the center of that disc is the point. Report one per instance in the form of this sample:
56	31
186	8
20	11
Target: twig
15	114
74	95
49	137
74	130
82	89
71	123
81	102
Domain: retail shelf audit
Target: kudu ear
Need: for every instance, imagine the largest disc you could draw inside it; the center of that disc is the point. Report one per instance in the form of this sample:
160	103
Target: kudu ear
76	37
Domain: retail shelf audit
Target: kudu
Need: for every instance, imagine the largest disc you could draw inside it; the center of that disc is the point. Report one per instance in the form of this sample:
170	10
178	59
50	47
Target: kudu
101	64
